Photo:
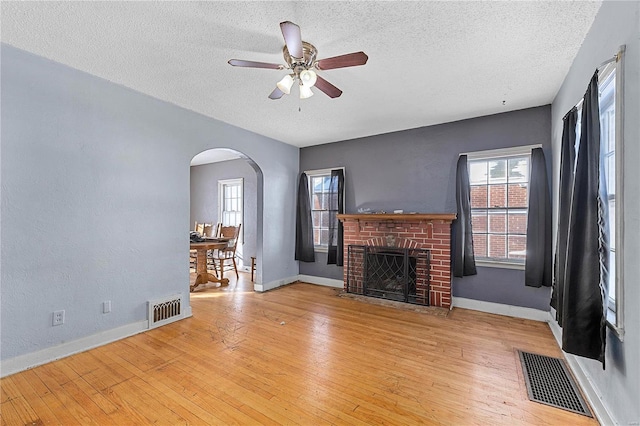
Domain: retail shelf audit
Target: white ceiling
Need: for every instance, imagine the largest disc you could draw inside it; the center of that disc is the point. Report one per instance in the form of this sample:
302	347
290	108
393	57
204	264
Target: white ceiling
429	62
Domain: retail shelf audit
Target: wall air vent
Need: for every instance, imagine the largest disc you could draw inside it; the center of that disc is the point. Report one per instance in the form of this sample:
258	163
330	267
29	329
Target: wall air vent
165	311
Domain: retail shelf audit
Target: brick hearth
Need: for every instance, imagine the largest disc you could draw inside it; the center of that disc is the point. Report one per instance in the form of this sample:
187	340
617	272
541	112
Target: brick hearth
425	231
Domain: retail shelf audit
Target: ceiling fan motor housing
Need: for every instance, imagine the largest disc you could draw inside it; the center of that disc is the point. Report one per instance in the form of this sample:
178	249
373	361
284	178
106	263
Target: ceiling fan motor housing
297	65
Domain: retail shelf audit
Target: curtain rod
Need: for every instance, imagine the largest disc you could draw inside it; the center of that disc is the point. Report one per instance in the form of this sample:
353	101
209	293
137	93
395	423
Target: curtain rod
571	110
501	152
615	58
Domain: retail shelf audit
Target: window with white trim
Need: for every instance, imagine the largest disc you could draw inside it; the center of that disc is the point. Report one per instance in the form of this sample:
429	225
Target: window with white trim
610	105
611	167
319	191
230	201
607	101
230	209
499	190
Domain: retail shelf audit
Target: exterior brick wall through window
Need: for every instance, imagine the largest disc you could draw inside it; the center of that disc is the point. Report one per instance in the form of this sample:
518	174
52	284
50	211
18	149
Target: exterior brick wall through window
499	200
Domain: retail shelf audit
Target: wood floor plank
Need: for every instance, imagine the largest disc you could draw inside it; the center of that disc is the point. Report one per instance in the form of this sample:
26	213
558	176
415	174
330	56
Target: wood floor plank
206	395
99	407
25	411
118	360
184	397
8	390
296	355
126	407
9	414
276	387
175	405
32	388
235	387
137	402
59	401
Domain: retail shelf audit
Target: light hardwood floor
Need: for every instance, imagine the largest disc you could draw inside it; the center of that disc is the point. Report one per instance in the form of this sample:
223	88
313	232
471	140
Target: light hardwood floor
295	355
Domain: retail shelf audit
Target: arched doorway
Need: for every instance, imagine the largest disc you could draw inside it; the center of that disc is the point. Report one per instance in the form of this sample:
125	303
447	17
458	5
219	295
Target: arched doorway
226	186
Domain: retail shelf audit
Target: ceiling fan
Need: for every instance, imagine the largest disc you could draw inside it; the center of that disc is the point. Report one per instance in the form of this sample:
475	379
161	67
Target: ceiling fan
300	58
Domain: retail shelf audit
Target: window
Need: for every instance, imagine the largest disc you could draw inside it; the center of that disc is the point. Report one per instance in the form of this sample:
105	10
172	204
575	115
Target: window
230	206
611	168
499	183
609	92
608	156
230	202
320	190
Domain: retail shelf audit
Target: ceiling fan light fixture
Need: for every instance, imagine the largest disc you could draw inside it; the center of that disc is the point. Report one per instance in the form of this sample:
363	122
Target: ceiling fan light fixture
305	92
308	78
300	59
285	84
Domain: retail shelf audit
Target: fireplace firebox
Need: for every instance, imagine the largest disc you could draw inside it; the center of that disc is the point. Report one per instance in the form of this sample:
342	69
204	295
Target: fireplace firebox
400	274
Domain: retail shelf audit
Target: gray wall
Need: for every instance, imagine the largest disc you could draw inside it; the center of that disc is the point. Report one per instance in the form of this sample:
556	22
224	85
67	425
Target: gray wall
95	202
204	198
617	23
414	170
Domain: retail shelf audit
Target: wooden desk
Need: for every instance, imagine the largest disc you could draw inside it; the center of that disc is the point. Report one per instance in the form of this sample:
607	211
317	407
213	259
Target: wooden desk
201	263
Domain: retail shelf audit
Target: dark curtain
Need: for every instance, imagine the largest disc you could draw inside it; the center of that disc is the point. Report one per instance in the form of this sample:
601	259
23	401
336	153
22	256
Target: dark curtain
585	292
537	270
304	226
464	262
335	254
567	161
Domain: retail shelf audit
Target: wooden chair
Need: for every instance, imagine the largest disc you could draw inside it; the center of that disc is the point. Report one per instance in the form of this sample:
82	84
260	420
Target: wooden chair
193	260
216	232
198	227
205	229
227	256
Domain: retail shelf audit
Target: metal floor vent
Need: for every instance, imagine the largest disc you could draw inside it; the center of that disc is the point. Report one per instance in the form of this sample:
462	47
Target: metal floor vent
164	311
549	382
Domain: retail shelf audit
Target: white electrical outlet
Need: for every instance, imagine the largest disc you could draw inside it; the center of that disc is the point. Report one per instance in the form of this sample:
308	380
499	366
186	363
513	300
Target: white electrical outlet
58	317
106	306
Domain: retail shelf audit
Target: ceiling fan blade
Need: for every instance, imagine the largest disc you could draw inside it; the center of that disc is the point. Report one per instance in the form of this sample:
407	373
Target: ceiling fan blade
276	94
343	61
292	38
328	88
253	64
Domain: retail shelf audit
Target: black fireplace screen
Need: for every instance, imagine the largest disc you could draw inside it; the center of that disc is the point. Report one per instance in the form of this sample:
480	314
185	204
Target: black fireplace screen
400	274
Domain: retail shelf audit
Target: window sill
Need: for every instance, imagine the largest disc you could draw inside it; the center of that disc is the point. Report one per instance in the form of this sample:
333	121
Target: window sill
320	249
611	323
498	264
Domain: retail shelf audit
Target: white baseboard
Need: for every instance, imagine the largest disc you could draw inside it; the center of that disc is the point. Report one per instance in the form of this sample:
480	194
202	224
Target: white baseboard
329	282
30	360
305	278
586	383
500	309
275	284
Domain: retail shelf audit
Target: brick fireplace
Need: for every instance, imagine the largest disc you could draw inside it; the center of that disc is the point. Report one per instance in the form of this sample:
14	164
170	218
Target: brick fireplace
413	232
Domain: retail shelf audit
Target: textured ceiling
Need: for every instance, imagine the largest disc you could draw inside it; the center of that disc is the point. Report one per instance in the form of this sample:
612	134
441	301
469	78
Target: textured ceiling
429	62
